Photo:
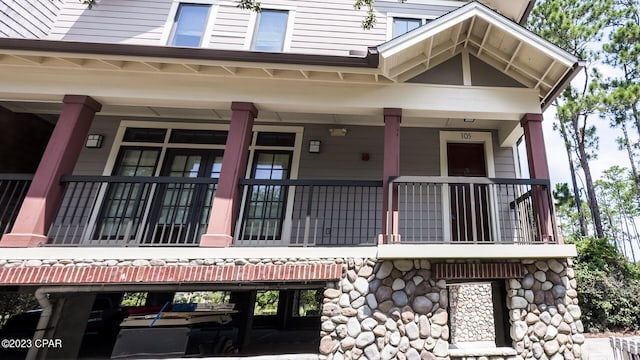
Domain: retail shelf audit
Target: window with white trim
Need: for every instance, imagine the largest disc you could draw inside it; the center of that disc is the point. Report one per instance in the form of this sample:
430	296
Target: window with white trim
189	24
270	30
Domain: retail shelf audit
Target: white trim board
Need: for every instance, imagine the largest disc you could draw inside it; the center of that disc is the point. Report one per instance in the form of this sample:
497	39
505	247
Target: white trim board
388	251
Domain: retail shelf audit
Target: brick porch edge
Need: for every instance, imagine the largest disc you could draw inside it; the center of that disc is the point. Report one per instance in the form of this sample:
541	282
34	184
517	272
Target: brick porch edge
54	275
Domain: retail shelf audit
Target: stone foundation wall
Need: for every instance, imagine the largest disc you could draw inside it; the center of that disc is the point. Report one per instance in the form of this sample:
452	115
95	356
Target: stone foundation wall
544	311
398	310
373	309
385	310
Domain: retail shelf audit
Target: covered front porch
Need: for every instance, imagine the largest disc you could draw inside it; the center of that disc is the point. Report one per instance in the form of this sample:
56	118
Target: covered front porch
289	196
414	142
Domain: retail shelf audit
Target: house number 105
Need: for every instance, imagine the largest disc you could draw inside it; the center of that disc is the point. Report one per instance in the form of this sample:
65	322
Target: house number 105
465	136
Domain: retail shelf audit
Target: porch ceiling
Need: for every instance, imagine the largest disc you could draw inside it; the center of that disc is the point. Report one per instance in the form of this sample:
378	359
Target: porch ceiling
493	38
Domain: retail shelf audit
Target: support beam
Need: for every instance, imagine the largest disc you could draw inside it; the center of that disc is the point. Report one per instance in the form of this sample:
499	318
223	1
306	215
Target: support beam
391	168
536	153
227	199
45	193
538	169
68	322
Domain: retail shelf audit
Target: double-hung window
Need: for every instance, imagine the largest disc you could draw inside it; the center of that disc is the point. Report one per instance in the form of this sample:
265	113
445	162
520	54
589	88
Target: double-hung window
189	24
270	30
404	25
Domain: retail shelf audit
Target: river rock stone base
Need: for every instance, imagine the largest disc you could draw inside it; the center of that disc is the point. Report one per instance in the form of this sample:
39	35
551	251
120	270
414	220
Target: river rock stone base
385	310
395	309
544	312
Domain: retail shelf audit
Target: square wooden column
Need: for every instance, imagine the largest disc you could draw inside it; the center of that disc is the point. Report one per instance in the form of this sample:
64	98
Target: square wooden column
226	202
391	168
538	169
45	193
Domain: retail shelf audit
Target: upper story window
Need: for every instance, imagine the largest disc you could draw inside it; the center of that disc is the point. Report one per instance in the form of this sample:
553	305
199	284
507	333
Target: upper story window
404	25
189	24
271	30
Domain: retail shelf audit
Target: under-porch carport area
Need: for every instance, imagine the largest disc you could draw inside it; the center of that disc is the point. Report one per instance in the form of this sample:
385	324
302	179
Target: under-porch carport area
133	322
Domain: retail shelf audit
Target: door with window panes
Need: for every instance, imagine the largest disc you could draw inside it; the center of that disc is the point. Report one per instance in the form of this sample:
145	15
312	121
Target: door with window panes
180	211
172	209
125	202
265	205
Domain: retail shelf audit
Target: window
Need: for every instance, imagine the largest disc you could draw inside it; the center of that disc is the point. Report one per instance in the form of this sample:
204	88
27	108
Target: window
271	30
189	25
404	25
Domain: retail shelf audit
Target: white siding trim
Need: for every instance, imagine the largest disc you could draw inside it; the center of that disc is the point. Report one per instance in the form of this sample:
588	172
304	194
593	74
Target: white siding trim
251	31
466	68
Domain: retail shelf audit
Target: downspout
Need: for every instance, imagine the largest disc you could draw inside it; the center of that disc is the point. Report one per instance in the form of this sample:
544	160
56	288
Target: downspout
47	308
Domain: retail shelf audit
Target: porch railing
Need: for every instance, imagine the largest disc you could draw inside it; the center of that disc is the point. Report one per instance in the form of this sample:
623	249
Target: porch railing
472	210
13	189
323	212
132	211
172	211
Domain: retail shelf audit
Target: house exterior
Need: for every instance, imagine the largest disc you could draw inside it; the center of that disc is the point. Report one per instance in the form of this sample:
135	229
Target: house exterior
198	146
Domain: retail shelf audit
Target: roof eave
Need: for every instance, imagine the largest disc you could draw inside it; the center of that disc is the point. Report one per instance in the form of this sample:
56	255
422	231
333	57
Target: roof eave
562	84
370	60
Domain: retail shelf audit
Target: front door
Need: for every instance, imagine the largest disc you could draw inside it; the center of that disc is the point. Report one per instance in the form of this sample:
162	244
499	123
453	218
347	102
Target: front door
469	203
180	211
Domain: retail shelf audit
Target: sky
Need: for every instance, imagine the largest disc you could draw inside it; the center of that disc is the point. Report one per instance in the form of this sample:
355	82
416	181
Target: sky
608	153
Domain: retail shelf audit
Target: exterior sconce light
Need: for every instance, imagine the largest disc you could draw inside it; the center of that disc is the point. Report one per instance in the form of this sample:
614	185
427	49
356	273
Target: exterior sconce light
338	132
94	141
314	146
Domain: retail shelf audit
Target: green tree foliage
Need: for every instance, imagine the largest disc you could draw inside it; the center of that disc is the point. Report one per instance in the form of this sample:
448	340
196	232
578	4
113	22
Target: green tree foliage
202	297
608	286
15	303
134	299
622	53
617	194
267	302
577	26
310	302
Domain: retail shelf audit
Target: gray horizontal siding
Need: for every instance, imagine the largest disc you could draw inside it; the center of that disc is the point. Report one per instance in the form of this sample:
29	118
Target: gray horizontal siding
328	27
93	161
230	28
27	19
339	158
116	21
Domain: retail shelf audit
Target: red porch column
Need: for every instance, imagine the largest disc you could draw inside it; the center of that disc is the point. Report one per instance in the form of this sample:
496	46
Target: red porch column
538	169
234	164
45	193
392	119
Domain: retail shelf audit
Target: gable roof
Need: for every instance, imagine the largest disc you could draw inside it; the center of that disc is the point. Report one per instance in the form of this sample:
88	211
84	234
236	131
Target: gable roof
519	53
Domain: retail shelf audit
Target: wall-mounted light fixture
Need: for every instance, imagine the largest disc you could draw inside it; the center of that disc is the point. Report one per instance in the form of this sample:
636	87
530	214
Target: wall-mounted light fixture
338	131
314	146
94	141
